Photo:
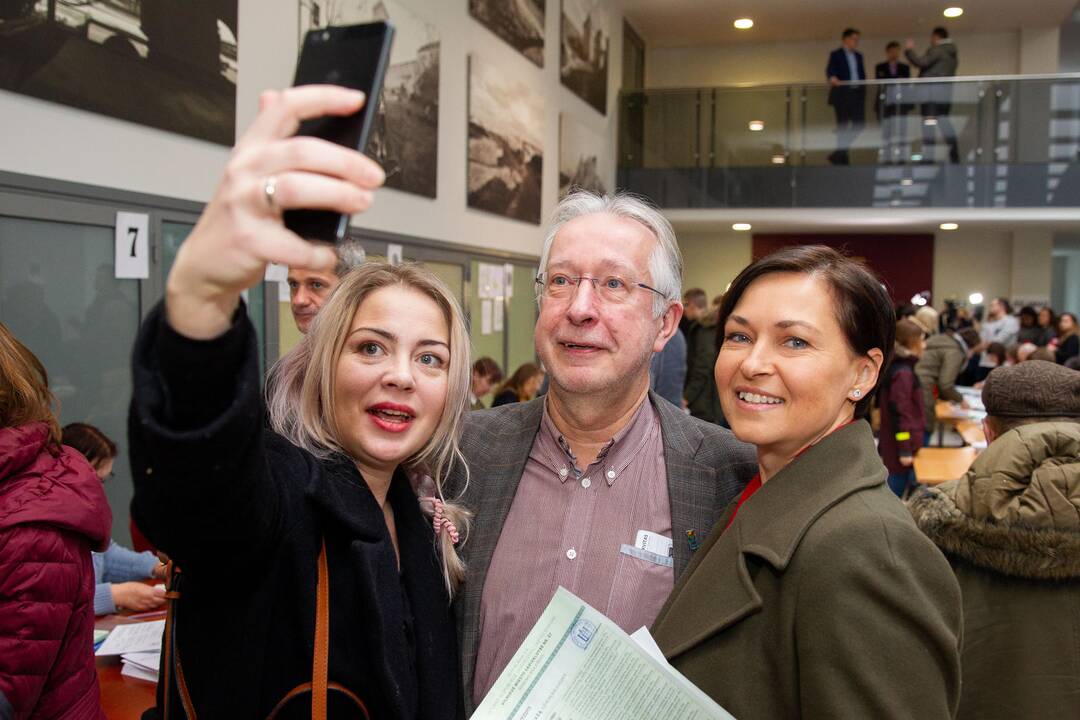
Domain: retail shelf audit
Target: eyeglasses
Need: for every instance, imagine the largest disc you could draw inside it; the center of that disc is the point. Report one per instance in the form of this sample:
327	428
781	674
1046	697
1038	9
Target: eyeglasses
612	288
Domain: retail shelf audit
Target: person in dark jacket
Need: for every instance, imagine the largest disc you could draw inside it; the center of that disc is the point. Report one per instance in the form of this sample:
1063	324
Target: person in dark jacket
1010	529
892	104
902	414
486	374
939	60
700	391
53	513
667	371
379	387
849	101
1067	343
815	586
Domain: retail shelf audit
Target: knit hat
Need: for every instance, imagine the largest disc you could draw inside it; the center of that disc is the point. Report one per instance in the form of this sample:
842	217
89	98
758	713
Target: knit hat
927	318
1035	388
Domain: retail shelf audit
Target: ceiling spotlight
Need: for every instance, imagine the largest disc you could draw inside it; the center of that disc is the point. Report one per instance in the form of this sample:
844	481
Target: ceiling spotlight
948	226
756	125
741	227
778	159
906	182
745	23
975	298
953	12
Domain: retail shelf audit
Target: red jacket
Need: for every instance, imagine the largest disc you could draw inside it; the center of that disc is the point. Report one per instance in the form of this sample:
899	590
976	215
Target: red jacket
902	414
53	512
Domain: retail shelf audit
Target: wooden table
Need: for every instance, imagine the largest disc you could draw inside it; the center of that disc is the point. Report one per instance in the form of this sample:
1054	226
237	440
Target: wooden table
935	465
122	697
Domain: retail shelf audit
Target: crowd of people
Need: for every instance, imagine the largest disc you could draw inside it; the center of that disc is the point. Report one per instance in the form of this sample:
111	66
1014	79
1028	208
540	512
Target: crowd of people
397	548
894	100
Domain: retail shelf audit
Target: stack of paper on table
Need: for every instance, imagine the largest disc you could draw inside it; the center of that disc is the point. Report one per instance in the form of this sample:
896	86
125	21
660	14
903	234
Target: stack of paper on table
133	638
141	665
576	664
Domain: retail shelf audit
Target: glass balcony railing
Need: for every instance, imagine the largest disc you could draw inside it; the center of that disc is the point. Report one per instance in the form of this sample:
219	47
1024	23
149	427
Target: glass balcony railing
953	142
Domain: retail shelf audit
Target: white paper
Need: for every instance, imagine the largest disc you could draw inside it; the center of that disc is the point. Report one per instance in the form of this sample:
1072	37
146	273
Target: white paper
497	319
576	664
139	673
276	272
134	637
394	254
645	641
485	317
508	280
491	281
132	246
145	660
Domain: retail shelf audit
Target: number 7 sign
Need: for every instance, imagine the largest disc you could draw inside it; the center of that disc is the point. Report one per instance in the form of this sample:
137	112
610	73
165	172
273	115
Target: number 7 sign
132	245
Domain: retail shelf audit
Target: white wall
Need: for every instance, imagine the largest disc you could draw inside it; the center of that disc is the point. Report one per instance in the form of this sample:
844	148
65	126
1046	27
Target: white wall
712	260
980	54
55	141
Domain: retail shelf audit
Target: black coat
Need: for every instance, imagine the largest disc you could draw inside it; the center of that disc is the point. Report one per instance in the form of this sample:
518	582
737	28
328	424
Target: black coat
243	512
838	68
887	104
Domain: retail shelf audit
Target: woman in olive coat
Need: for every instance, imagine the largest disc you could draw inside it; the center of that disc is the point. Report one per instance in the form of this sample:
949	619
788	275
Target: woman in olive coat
815	596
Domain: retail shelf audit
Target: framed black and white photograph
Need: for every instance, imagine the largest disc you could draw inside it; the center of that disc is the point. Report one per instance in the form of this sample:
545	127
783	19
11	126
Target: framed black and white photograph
583	65
506	140
170	66
583	158
518	22
405	140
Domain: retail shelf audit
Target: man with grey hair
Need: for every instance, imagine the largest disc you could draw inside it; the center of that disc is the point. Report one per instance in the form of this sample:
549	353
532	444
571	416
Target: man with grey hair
599	486
309	289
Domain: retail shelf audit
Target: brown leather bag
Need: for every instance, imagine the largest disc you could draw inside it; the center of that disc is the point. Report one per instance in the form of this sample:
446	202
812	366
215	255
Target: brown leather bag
319	687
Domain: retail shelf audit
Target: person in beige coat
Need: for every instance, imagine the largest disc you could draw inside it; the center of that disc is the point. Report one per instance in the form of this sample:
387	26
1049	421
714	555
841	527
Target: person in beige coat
940	363
1011	530
815	596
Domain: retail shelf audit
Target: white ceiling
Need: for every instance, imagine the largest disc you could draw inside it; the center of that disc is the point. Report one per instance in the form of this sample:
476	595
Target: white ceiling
673	23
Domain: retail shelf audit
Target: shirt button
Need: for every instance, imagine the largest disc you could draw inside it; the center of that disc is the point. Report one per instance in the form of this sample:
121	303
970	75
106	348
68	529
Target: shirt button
571	554
610	474
586	482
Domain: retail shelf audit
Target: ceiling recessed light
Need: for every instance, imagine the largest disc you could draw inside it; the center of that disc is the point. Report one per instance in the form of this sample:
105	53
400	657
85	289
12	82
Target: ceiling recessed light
778	159
743	24
953	12
948	226
741	227
907	182
756	125
975	298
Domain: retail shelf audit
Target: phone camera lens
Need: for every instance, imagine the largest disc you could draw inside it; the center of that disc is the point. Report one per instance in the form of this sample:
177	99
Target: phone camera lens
326	35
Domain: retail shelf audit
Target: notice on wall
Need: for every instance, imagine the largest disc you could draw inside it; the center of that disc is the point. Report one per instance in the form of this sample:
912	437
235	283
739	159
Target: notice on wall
491	281
497	317
485	317
132	246
394	254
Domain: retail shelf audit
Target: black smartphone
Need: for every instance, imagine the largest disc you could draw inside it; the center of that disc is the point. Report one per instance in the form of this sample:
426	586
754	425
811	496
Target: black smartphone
353	56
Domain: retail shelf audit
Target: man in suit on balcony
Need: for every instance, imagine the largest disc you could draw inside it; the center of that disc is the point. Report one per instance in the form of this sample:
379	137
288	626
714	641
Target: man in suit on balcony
848	101
891	110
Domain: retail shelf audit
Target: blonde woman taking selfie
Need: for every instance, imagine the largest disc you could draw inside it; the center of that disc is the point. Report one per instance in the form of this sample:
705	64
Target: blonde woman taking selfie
342	567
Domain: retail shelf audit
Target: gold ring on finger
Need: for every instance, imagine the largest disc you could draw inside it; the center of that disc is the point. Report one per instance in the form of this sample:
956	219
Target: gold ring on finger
269	190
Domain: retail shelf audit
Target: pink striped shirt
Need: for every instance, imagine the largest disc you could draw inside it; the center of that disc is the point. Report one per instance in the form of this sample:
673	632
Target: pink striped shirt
567	527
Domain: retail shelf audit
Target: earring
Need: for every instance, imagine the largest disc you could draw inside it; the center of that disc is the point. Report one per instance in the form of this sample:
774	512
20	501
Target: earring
857	393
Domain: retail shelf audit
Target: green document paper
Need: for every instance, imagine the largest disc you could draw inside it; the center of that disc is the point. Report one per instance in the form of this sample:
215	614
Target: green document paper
100	635
576	664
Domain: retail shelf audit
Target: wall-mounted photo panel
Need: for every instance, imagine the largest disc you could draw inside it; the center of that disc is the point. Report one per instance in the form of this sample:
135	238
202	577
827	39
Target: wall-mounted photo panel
506	131
170	66
518	22
584	161
405	140
583	64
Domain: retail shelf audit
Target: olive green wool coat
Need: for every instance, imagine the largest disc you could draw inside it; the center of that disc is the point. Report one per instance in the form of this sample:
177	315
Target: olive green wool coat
1011	529
822	600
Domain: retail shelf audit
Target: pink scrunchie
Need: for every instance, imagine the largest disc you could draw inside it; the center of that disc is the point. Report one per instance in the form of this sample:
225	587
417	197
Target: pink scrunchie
440	522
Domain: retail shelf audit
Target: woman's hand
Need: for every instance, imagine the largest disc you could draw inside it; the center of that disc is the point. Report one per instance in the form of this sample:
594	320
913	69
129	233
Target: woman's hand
137	596
241	228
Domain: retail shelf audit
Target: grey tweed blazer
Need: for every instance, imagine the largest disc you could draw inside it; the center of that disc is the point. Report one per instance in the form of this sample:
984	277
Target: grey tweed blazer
706	468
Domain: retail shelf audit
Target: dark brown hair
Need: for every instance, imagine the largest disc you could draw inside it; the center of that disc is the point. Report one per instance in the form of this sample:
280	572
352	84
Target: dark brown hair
95	445
518	379
24	388
864	309
488	368
696	296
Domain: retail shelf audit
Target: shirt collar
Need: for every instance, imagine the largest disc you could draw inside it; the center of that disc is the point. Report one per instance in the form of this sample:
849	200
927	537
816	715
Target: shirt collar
613	459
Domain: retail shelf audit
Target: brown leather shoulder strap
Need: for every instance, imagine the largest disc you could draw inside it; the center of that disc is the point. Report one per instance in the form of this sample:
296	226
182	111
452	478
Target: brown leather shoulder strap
322	640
